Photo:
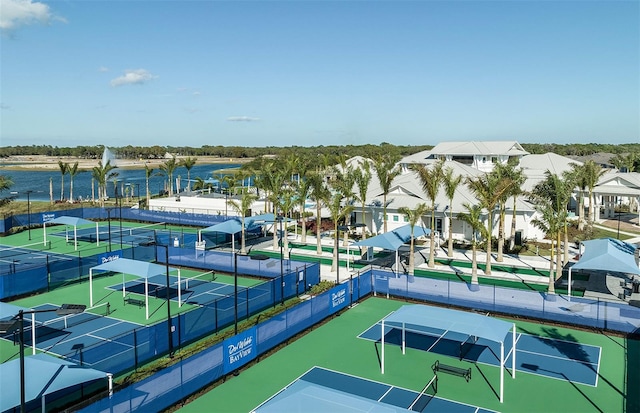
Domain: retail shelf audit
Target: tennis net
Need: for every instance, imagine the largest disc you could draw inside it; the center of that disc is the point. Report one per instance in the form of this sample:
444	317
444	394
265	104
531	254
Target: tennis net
204	278
426	395
34	248
64	322
144	233
467	345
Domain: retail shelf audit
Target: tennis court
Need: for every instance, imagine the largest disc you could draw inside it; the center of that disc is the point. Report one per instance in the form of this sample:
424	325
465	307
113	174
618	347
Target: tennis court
63	335
324	390
336	346
14	258
548	357
198	289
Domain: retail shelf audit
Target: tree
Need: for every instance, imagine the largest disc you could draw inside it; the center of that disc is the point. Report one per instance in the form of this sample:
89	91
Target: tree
73	171
168	167
303	188
592	173
319	193
338	213
507	173
64	168
413	216
386	171
488	190
451	184
625	161
549	221
102	173
241	207
5	184
188	163
148	171
430	179
580	179
363	178
473	217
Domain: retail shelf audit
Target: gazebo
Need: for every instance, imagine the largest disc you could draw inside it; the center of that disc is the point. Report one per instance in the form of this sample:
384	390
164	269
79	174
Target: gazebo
141	269
447	320
70	221
606	254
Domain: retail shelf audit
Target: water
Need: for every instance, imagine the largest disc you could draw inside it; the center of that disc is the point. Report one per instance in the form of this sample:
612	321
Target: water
38	181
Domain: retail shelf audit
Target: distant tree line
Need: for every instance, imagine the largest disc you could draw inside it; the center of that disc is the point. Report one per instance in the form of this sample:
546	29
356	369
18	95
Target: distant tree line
370	151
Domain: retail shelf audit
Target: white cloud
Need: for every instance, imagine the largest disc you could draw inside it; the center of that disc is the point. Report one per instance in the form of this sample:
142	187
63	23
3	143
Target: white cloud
17	13
133	77
103	69
242	119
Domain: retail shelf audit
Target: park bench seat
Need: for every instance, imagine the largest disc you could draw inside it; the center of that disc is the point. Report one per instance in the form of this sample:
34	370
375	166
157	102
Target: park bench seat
456	371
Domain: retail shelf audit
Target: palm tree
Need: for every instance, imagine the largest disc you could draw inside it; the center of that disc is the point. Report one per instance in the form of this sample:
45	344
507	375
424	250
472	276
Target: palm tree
508	173
303	188
413	216
338	212
451	184
169	167
73	171
363	178
557	191
319	193
64	168
580	179
592	173
102	173
549	223
344	184
386	171
148	171
5	184
241	207
430	180
473	217
188	163
488	190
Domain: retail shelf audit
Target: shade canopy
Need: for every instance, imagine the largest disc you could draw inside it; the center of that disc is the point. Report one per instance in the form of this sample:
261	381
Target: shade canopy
71	221
427	318
393	240
44	375
140	269
608	254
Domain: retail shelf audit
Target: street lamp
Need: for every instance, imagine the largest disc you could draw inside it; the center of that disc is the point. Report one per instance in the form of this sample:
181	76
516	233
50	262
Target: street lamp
109	226
29	212
18	323
280	219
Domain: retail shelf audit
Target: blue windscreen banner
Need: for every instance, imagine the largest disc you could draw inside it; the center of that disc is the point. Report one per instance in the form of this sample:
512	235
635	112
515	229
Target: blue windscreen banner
239	350
338	298
108	257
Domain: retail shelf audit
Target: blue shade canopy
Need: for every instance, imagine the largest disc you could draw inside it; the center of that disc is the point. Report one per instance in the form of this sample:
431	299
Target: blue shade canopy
44	375
303	396
608	254
230	226
10	310
393	240
66	220
445	319
140	269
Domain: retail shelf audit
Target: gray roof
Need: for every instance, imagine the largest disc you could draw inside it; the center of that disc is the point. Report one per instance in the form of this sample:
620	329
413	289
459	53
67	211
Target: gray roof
510	148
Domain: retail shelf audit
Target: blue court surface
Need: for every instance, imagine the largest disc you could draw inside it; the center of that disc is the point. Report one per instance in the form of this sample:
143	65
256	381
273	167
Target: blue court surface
322	390
559	359
199	290
65	335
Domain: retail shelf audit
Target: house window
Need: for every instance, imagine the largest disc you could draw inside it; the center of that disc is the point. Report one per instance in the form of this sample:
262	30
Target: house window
395	218
406	219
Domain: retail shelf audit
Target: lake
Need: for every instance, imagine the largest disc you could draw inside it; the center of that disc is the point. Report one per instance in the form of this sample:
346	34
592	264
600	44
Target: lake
38	181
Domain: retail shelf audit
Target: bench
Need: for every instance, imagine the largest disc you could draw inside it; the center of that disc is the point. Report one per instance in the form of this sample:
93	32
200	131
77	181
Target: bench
134	301
456	371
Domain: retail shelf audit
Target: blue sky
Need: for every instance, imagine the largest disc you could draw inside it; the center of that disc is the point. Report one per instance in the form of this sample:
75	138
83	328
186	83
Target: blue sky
312	73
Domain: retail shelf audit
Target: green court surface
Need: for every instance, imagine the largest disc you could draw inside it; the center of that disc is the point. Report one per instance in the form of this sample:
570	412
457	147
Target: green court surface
336	346
78	293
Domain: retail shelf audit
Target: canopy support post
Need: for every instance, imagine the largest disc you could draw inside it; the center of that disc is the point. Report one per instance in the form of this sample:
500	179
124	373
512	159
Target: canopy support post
501	372
513	355
569	286
382	349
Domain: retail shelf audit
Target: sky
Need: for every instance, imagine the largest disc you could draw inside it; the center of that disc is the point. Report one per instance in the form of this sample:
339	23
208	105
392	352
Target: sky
310	73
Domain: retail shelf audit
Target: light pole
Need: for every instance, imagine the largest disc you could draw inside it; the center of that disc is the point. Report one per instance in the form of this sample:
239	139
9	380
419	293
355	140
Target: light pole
235	291
169	325
18	322
29	212
109	227
281	218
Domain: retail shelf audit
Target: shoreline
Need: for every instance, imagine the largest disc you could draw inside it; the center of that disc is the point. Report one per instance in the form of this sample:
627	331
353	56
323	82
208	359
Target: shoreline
49	163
